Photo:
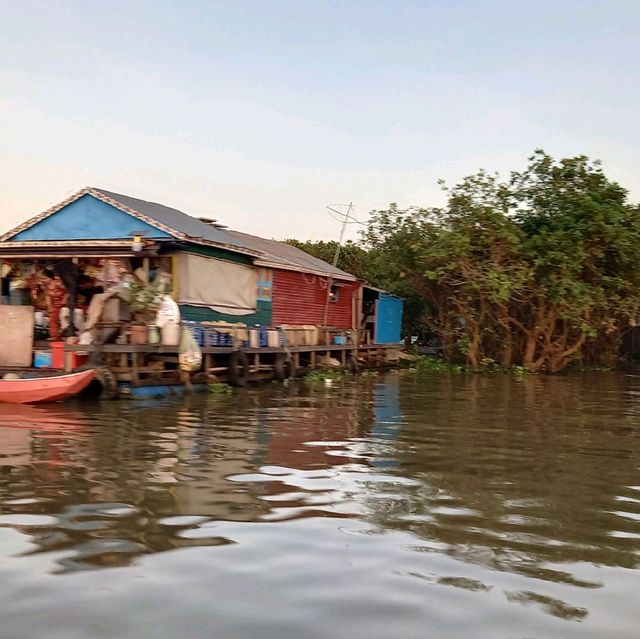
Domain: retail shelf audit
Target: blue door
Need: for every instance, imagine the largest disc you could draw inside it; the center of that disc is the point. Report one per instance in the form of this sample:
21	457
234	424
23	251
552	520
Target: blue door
388	319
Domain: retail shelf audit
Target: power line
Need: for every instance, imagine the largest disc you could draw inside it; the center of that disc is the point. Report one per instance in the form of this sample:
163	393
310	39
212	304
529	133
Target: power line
344	218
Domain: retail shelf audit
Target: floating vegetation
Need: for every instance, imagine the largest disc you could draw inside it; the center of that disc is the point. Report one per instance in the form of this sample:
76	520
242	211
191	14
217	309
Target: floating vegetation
428	364
323	375
219	388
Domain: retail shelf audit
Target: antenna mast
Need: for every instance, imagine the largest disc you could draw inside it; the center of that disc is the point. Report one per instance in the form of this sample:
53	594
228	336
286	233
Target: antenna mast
336	257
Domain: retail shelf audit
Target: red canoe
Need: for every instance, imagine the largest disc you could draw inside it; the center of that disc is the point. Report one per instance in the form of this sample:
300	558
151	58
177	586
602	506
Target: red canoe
53	388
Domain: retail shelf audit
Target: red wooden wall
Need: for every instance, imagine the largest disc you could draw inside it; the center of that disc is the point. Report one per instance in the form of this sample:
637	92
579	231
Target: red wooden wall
299	298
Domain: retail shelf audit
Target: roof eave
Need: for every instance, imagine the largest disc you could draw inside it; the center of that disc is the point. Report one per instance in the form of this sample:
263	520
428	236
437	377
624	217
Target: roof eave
294	267
226	247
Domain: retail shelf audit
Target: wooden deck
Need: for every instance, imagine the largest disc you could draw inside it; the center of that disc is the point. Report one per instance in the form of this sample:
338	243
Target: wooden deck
149	364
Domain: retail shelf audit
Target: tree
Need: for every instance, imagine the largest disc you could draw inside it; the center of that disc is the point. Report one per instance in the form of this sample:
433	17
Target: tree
536	270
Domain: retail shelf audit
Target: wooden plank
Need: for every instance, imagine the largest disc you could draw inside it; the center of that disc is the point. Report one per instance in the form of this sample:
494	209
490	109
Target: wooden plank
135	380
319	349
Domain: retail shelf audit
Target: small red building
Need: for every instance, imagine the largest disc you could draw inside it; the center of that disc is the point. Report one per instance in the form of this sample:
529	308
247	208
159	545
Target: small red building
299	284
300	298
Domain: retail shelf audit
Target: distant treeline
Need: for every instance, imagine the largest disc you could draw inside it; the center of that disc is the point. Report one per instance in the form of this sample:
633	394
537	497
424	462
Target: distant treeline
537	270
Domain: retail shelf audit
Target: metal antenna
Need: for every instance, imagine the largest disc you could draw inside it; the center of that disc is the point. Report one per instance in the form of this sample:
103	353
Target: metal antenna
336	257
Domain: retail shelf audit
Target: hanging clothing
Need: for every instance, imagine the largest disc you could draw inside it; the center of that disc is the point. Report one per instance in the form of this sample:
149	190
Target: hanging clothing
57	298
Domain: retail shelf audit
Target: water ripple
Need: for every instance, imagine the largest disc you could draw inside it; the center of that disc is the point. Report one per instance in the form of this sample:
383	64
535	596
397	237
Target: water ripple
385	506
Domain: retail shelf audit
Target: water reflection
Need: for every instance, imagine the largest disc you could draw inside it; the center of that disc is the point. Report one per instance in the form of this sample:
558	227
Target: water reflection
525	493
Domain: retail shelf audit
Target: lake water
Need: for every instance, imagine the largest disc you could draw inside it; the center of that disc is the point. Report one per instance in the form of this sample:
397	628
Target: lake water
382	507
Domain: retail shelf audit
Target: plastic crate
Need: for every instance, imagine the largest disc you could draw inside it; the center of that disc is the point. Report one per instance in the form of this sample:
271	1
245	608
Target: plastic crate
212	337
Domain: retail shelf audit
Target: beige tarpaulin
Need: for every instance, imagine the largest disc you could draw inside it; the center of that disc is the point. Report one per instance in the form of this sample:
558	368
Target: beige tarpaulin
223	286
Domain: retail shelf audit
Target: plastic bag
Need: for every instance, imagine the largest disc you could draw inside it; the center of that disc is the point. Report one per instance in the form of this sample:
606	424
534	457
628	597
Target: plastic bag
189	353
168	311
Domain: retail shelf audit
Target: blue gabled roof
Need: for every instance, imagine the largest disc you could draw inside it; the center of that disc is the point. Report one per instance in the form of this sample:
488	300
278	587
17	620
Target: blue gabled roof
171	222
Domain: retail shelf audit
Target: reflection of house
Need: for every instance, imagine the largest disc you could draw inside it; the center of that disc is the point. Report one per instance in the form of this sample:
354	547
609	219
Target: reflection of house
200	475
15	446
218	274
291	440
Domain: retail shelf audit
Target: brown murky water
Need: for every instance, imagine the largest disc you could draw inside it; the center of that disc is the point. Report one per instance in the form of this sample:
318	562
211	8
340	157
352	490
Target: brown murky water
392	506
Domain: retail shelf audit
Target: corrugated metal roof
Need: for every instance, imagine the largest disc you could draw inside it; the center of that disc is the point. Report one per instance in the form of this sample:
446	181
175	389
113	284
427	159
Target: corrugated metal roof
277	252
190	226
286	255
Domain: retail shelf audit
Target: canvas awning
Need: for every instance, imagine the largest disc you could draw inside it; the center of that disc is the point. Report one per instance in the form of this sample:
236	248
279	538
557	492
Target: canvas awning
223	286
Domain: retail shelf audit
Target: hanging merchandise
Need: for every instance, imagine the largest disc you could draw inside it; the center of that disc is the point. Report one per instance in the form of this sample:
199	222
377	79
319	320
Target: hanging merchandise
168	311
190	355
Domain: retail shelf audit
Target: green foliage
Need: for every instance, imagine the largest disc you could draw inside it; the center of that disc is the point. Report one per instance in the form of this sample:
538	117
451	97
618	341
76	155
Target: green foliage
218	388
535	271
322	374
519	372
353	258
144	299
426	364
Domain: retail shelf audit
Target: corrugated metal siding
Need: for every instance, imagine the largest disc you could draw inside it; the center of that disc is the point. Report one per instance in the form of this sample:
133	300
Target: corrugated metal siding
299	298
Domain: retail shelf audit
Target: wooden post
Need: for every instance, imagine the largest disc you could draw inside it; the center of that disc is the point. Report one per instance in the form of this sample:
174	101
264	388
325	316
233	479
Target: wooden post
174	277
67	359
135	377
360	311
375	321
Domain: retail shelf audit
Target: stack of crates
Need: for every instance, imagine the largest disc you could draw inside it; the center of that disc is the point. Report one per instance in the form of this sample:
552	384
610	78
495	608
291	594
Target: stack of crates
208	336
212	337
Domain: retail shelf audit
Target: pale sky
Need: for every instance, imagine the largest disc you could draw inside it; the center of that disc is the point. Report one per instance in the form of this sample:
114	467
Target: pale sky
260	113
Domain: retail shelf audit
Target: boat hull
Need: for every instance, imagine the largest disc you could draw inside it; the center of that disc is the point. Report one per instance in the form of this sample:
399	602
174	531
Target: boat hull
36	390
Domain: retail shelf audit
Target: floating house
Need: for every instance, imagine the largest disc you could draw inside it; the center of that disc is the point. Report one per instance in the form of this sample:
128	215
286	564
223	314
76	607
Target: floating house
216	274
